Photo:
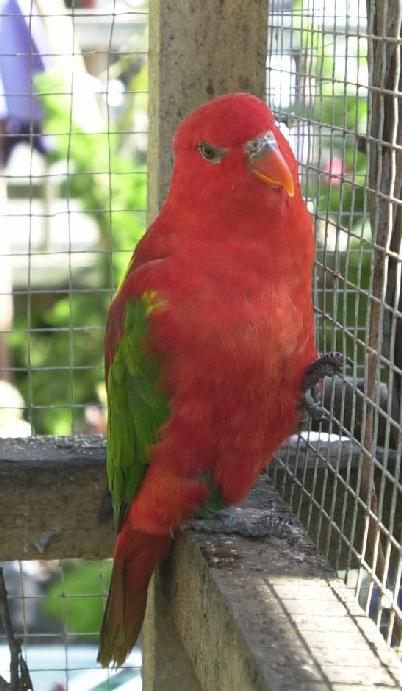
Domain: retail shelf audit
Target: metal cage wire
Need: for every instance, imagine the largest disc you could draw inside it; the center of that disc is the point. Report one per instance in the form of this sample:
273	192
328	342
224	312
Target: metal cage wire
79	262
64	200
44	600
319	87
322	61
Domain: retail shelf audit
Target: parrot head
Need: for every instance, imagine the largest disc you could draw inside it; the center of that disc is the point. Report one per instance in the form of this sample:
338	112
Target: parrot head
232	146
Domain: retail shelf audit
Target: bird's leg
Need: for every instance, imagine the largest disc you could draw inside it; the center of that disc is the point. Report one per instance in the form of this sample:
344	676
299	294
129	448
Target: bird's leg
268	522
327	365
248	522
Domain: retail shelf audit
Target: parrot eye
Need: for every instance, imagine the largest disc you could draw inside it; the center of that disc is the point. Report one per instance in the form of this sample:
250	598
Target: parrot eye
210	153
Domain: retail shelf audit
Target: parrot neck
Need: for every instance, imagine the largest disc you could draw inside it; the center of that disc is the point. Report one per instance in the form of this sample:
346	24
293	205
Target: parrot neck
272	221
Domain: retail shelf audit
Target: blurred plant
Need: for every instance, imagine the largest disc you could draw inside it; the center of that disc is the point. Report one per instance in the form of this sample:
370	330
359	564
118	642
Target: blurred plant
109	178
333	104
77	599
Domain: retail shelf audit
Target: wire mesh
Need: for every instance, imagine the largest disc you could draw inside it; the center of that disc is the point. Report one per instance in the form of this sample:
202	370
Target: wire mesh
73	139
73	201
333	78
59	632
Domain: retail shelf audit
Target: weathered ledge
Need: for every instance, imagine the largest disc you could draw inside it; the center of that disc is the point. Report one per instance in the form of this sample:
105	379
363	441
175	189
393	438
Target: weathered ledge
51	489
228	613
50	492
225	612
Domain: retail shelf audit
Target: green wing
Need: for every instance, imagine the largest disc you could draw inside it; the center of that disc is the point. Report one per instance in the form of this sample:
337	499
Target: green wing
136	407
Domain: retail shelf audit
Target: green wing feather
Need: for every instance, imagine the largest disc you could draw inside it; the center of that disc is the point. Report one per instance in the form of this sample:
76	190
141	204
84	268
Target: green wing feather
136	407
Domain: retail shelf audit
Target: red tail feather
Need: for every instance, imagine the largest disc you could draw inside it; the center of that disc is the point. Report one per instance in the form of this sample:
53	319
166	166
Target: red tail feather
125	608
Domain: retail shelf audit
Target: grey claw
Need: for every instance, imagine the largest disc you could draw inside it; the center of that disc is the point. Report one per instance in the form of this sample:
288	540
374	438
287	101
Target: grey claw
327	365
314	409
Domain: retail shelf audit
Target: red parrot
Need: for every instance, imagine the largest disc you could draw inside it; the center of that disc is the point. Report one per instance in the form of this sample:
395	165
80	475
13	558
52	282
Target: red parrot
208	342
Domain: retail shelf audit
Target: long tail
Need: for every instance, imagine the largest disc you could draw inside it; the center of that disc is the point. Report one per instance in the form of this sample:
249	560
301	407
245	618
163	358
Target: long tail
136	556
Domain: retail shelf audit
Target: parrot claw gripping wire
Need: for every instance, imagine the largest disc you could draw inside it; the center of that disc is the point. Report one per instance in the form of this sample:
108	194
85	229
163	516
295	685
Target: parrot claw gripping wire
327	365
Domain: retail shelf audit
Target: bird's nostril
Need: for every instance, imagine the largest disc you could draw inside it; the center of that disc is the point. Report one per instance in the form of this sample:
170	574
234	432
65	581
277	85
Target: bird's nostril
260	145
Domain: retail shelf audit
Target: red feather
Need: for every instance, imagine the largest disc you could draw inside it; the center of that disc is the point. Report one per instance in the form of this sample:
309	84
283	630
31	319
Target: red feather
231	259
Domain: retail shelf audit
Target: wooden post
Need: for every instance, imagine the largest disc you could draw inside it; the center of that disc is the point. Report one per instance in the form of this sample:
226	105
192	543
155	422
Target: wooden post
385	183
198	49
385	177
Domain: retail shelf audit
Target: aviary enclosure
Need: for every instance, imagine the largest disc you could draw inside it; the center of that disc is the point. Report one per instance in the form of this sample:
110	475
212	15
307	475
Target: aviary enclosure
76	174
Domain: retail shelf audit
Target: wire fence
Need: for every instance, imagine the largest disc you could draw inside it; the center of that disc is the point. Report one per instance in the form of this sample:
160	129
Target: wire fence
73	202
55	608
76	200
334	79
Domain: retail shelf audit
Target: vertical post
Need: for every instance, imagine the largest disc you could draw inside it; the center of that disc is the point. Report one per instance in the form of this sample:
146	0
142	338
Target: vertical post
385	178
197	50
166	665
385	182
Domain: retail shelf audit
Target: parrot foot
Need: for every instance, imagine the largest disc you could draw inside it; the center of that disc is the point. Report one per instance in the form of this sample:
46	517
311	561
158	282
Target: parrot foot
248	523
313	409
327	365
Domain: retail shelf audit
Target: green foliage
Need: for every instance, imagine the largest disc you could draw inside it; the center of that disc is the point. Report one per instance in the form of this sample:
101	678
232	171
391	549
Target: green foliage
110	183
343	278
334	184
339	110
77	599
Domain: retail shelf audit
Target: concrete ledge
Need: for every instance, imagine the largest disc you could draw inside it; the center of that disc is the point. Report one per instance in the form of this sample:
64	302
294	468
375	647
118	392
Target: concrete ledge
259	615
39	475
50	492
224	612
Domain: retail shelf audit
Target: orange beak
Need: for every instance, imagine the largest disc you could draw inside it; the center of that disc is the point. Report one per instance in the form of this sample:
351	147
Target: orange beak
267	163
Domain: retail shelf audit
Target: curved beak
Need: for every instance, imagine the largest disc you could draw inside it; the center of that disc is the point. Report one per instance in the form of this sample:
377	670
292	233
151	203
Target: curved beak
267	163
